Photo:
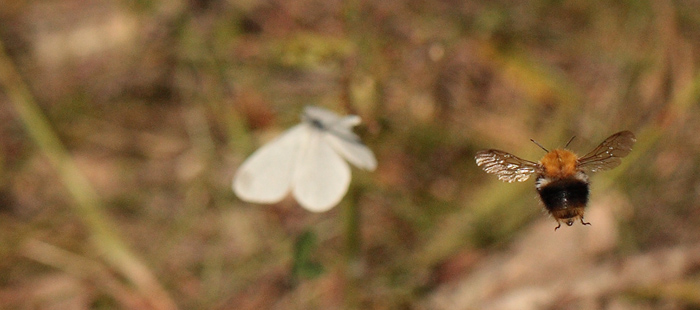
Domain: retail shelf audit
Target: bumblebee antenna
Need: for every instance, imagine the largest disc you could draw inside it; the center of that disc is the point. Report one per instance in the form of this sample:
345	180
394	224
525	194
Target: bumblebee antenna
542	147
567	143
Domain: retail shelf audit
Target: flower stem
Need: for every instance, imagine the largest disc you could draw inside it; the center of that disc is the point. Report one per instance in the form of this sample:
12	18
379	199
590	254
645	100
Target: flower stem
354	265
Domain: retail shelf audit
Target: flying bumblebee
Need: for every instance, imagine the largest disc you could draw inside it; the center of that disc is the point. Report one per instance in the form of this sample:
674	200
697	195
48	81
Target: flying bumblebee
562	180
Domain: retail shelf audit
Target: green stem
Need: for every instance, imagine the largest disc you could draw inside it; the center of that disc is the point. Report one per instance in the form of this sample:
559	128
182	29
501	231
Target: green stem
353	259
88	205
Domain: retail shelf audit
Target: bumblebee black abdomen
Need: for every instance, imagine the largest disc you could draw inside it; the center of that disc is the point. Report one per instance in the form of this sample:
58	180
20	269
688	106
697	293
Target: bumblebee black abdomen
565	194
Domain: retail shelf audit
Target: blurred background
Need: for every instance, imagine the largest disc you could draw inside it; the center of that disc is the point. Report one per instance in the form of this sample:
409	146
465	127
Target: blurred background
122	124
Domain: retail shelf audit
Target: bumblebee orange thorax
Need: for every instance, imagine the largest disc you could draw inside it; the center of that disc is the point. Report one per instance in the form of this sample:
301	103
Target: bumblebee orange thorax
559	163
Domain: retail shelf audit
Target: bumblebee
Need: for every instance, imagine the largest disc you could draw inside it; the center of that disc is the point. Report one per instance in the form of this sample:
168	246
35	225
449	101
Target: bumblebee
562	177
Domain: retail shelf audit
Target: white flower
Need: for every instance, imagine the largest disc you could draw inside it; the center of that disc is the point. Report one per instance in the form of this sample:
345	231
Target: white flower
308	160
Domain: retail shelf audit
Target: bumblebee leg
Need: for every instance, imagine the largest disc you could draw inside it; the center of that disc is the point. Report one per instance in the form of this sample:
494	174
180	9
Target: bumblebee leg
555	228
584	223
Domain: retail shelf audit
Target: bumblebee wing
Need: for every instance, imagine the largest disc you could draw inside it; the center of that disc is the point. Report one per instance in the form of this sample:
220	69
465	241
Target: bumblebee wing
506	166
607	155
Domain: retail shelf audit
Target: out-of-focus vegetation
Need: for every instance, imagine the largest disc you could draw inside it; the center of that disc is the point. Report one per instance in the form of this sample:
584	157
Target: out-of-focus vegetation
122	124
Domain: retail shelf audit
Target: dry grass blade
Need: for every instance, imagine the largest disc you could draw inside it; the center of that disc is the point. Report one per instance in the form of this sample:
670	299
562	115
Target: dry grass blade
88	205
